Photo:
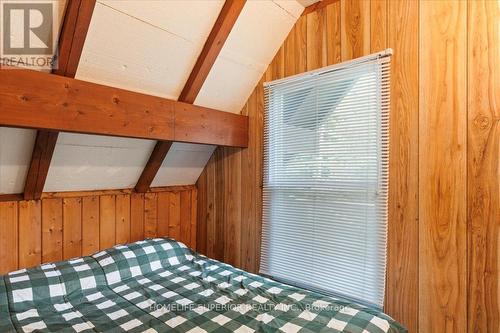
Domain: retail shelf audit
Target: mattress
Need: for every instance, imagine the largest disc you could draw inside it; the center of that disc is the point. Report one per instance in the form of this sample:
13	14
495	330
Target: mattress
160	285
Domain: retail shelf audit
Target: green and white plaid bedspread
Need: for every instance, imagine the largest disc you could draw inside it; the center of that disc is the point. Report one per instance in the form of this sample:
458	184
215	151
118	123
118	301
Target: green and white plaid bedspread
160	285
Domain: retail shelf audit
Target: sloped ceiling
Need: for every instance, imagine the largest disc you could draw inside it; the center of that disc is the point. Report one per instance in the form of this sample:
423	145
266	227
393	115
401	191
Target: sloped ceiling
151	47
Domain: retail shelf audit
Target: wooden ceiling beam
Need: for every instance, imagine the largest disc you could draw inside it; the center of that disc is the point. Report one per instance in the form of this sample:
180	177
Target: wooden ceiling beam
213	45
73	33
30	99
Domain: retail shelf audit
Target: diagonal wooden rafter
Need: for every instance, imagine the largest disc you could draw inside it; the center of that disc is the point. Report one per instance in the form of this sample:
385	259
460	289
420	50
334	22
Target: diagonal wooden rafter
215	41
74	30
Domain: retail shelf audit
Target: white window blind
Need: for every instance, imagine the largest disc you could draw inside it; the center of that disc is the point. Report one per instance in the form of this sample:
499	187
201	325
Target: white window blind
326	179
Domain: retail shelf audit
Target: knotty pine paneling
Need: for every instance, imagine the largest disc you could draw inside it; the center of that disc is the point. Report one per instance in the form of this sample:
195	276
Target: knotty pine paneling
483	166
444	201
401	299
72	227
52	230
90	224
66	225
151	215
9	246
122	205
442	167
30	227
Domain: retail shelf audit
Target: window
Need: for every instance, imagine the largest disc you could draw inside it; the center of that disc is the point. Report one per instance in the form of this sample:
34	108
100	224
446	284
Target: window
326	179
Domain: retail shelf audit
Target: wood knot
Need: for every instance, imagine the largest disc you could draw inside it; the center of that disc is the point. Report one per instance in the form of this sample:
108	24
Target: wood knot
23	98
116	100
66	85
482	122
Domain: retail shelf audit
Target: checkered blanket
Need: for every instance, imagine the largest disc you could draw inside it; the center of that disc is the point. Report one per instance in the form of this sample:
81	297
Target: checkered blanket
160	285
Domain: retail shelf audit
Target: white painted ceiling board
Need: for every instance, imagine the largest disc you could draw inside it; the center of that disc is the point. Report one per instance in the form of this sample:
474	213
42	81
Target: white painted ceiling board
16	146
128	52
175	16
92	162
257	35
228	87
183	164
294	8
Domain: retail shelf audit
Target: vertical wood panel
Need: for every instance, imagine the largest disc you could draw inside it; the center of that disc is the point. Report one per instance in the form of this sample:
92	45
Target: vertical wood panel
174	215
316	40
150	215
30	231
484	165
136	217
295	50
277	67
122	219
402	238
72	227
8	237
201	213
52	230
378	24
355	28
442	166
333	38
185	214
220	202
90	225
107	218
194	212
248	195
163	215
232	209
257	178
210	205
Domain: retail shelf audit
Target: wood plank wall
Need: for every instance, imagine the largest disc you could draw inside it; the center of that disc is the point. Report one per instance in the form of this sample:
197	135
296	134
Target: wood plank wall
67	225
444	209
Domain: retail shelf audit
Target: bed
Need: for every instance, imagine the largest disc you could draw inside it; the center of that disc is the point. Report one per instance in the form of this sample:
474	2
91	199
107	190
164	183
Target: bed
160	285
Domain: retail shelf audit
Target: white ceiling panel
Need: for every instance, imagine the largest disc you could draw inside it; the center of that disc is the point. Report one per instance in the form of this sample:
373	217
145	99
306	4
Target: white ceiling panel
124	49
227	92
183	164
90	162
191	20
16	146
257	35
